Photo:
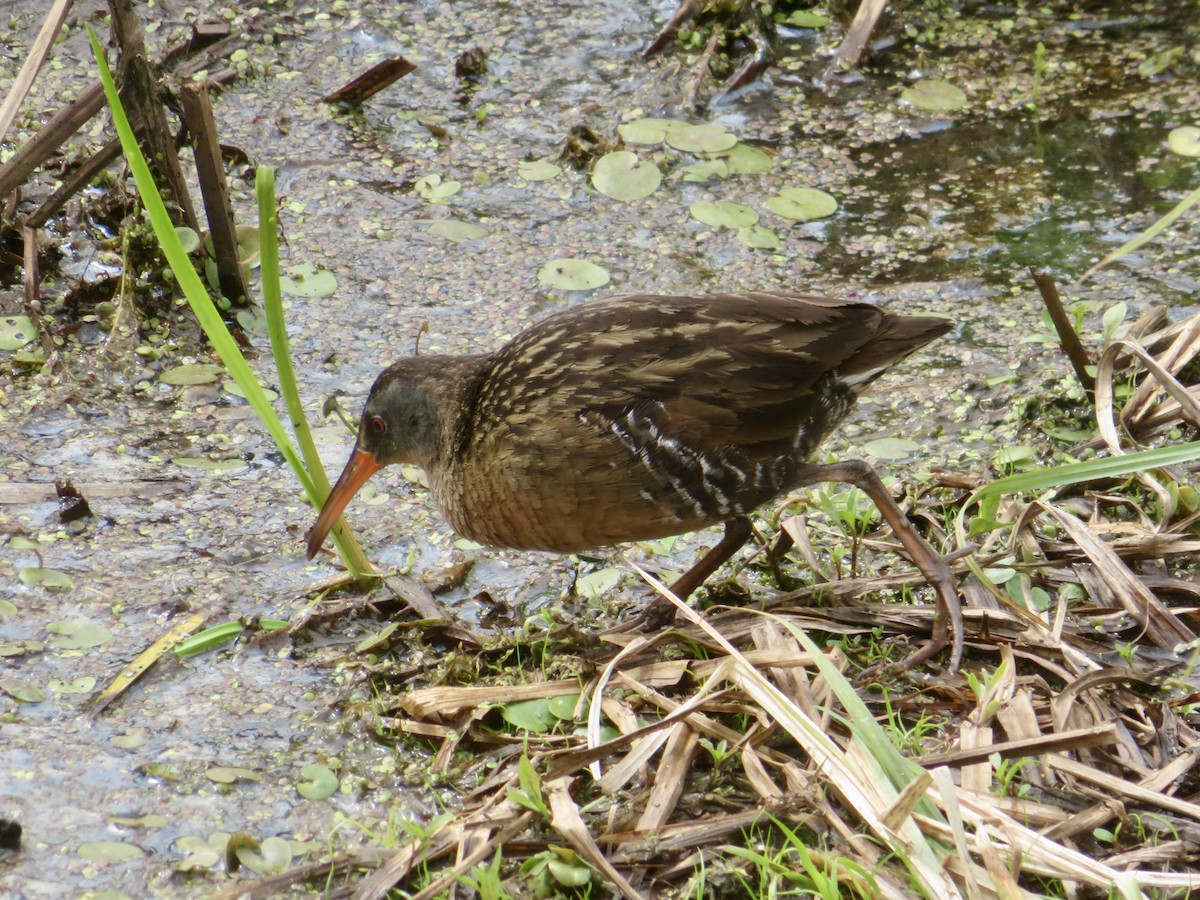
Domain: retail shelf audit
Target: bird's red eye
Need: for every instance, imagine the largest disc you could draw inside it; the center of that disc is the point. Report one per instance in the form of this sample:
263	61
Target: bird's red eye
377	425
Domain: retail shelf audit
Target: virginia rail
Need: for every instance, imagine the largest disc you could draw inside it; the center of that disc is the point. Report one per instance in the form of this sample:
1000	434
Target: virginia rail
638	417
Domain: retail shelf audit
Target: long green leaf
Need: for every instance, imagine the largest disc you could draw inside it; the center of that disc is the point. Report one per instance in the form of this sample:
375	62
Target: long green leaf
1074	473
1149	234
268	229
207	314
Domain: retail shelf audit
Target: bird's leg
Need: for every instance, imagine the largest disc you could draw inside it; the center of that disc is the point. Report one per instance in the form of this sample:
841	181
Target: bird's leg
661	611
737	532
947	621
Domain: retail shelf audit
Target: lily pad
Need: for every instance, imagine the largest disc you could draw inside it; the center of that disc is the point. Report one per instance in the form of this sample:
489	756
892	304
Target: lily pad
320	782
16	332
131	739
538	170
803	19
199	373
308	281
759	237
704	170
7	609
458	231
109	852
22	691
202	854
47	578
563	707
274	856
1184	140
248	243
933	95
84	685
643	131
572	275
230	774
598	583
743	159
188	237
622	176
253	320
20	647
1160	62
78	634
892	448
529	715
701	139
435	190
723	213
802	204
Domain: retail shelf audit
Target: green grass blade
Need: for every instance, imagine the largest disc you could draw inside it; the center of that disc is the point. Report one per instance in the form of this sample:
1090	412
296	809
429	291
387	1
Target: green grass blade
189	282
210	318
1149	234
1108	467
268	228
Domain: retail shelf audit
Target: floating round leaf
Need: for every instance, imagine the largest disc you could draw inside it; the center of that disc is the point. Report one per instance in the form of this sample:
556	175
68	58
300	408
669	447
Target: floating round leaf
230	774
78	634
622	176
16	332
643	131
459	232
572	275
1185	140
47	578
22	691
274	855
892	448
319	782
758	236
109	852
200	373
563	706
529	715
803	19
307	280
1160	62
723	214
802	204
705	170
598	583
253	320
248	241
933	95
701	139
435	190
538	170
743	159
188	237
84	685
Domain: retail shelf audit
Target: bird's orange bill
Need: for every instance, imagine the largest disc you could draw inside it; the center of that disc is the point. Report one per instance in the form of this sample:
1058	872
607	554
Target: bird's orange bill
361	466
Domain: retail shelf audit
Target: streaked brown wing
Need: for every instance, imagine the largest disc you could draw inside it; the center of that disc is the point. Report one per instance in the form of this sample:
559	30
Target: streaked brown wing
686	410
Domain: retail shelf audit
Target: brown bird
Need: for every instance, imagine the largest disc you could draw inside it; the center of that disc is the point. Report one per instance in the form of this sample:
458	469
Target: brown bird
638	417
